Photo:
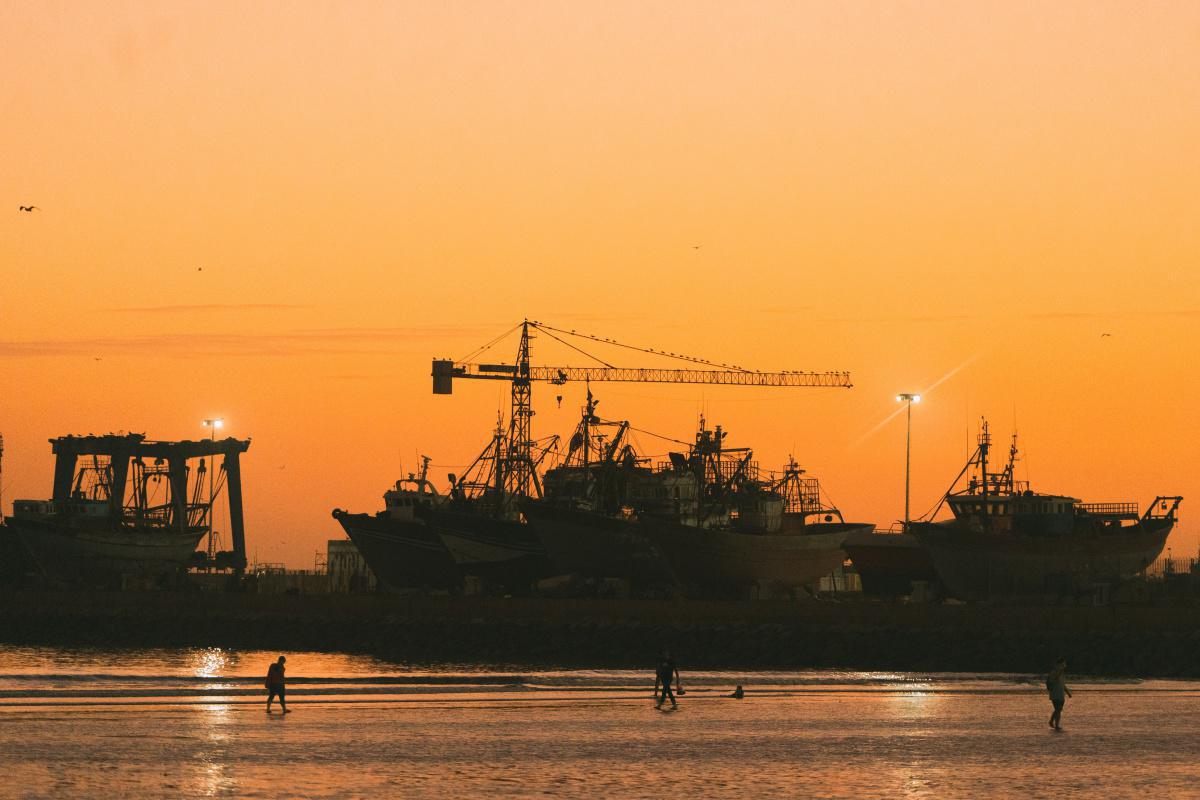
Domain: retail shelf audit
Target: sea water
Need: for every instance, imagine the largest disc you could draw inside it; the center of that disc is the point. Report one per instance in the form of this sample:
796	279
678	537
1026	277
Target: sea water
191	723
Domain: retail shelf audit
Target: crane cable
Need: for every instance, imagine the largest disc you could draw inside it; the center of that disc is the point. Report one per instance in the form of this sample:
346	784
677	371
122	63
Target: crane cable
479	351
543	327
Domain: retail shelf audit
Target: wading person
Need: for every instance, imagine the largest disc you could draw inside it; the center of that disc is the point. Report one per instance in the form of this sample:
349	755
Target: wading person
275	685
665	673
1056	685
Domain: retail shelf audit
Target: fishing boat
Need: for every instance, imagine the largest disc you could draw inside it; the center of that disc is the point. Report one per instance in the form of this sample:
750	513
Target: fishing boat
705	521
474	531
1005	539
398	543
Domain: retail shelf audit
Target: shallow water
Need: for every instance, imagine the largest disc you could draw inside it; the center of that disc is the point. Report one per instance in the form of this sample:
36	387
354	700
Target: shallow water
190	723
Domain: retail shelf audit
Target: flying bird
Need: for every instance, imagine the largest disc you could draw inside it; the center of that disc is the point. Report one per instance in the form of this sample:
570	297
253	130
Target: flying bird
1105	334
28	208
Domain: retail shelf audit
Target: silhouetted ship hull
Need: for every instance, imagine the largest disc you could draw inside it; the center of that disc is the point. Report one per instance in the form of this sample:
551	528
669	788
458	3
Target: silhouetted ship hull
719	561
974	565
73	554
401	553
15	562
598	546
888	564
500	552
1006	539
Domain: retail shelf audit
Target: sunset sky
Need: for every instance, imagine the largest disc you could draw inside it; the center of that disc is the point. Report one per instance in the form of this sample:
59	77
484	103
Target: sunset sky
278	213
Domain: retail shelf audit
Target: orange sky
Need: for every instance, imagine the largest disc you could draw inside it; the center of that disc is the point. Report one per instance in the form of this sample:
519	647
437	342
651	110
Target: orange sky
892	189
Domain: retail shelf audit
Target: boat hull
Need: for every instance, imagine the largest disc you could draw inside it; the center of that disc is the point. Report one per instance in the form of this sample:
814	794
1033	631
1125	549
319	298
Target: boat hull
500	552
401	553
105	553
717	561
596	546
889	563
977	565
704	562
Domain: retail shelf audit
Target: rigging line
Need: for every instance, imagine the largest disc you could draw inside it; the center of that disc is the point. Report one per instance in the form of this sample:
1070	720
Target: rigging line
660	436
573	347
479	351
679	356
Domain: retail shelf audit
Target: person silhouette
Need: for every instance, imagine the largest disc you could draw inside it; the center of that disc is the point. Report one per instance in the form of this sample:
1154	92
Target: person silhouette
663	675
1056	687
275	685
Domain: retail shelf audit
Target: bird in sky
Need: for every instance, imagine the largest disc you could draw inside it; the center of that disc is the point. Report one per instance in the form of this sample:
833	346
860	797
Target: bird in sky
1105	334
695	247
28	208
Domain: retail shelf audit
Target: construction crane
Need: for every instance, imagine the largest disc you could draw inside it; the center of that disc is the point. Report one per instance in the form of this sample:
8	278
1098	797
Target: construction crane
521	466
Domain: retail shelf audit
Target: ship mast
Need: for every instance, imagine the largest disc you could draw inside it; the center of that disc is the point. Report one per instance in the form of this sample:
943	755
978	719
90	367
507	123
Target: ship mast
985	442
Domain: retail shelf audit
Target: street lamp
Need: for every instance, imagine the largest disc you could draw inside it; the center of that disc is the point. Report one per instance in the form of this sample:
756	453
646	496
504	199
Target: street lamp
212	425
908	400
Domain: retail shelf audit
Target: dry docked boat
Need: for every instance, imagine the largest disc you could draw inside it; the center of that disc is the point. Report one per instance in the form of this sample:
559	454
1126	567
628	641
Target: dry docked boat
705	521
125	507
1006	539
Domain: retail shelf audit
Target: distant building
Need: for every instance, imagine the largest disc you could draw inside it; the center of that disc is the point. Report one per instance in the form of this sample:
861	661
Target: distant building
348	572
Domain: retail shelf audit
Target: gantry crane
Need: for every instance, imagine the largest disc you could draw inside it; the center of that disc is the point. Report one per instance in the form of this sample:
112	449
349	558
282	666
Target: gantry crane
521	466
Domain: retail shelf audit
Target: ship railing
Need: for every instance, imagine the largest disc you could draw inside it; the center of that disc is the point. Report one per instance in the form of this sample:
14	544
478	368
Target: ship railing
1163	507
1115	510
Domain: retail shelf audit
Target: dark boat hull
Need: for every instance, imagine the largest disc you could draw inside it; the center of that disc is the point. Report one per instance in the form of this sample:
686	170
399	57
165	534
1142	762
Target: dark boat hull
104	553
707	560
401	553
596	546
889	563
976	565
501	552
704	562
16	564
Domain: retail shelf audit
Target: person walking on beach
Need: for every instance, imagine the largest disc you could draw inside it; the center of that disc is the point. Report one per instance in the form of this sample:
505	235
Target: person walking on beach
1056	685
663	676
275	685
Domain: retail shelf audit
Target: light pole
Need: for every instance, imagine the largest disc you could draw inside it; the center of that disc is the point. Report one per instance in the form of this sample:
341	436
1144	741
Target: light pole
212	425
908	400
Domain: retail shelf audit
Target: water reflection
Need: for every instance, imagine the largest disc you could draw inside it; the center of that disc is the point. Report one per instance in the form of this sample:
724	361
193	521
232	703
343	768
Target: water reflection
209	662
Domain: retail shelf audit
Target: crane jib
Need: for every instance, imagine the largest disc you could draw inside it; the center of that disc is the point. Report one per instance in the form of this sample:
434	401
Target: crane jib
445	371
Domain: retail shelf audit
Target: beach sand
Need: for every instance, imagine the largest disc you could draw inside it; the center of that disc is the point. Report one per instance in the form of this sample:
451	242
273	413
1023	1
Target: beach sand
191	724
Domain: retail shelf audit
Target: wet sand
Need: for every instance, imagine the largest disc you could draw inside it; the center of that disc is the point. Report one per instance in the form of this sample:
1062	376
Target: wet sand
191	723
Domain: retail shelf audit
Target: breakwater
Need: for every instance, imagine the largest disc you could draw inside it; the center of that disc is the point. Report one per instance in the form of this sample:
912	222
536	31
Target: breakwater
1141	641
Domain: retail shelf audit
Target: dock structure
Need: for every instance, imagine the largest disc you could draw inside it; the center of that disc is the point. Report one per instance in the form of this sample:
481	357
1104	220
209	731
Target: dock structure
145	490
